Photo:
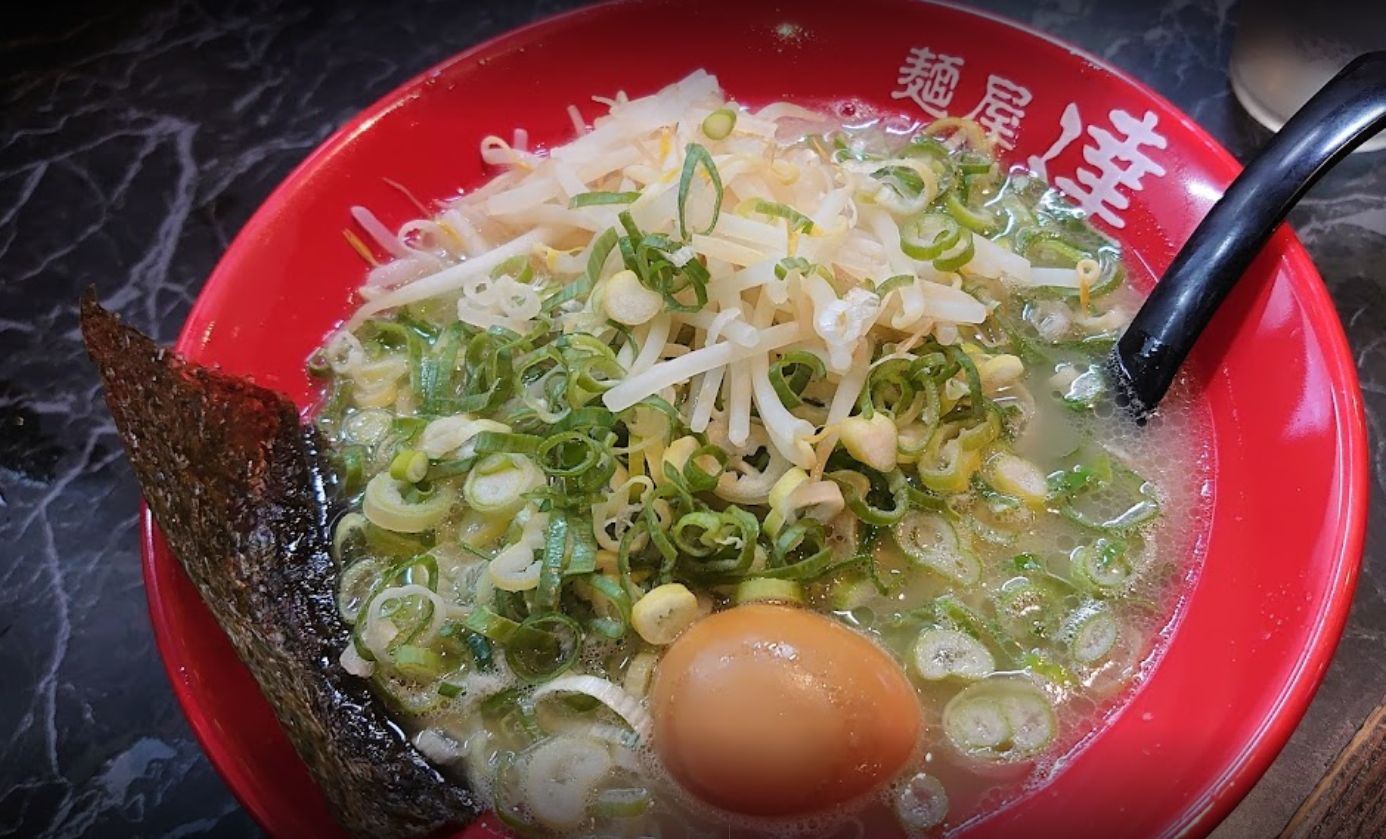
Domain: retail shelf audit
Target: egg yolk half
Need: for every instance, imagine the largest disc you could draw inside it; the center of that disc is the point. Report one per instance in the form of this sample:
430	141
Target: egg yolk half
773	711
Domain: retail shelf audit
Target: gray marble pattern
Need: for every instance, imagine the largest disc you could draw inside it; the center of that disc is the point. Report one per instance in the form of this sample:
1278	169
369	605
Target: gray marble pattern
133	145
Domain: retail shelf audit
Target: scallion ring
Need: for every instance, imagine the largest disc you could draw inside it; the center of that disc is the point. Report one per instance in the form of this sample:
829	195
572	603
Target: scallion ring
719	124
544	647
929	236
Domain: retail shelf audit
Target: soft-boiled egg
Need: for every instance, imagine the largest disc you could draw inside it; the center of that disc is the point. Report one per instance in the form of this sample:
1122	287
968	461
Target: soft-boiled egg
774	711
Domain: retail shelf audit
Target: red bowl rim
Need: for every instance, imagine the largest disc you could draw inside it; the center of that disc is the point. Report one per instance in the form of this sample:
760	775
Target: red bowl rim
1220	795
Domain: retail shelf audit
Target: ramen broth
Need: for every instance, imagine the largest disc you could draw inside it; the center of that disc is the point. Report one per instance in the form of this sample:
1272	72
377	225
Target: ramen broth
541	507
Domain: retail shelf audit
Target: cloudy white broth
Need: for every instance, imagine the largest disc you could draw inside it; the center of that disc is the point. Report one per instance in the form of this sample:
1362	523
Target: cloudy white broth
727	467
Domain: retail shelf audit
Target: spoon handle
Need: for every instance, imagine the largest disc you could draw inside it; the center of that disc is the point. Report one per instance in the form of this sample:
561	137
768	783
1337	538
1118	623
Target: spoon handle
1346	112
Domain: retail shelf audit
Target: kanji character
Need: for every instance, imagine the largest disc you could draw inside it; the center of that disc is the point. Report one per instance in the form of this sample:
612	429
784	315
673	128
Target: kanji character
929	79
1001	109
1070	129
1116	161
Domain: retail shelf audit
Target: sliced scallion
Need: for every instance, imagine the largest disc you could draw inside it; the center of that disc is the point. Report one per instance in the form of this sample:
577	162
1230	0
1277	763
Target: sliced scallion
929	236
942	653
622	802
796	220
719	124
416	663
595	199
1091	632
696	155
385	505
958	255
764	590
409	466
544	647
929	540
1002	719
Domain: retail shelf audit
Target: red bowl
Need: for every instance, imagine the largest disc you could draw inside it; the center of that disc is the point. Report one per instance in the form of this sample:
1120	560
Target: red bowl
1288	486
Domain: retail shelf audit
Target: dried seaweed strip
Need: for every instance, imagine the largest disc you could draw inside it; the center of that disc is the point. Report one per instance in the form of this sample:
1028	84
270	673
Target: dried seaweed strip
231	477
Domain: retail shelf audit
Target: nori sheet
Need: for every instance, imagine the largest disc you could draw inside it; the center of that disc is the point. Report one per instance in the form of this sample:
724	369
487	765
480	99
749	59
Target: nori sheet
233	480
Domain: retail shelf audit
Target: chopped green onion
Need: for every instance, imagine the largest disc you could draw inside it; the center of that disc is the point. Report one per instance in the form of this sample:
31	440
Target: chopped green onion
551	567
978	221
929	540
602	247
490	625
975	164
544	647
947	465
802	367
351	468
857	490
664	265
1092	632
480	647
904	180
929	236
698	478
348	537
943	653
622	803
796	220
1025	608
576	457
1088	470
1102	566
799	552
611	626
410	466
765	590
366	427
516	266
797	264
386	505
976	398
958	256
1048	669
1000	720
719	124
582	553
700	534
695	156
438	369
501	442
711	544
1089	500
1085	390
399	545
588	416
1050	248
420	570
497	484
922	145
593	199
894	283
419	664
508	794
354	587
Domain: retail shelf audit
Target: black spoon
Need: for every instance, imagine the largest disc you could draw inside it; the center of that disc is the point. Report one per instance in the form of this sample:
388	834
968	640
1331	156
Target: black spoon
1345	113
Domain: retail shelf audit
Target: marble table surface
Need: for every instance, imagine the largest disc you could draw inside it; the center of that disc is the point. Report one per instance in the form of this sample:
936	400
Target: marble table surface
133	145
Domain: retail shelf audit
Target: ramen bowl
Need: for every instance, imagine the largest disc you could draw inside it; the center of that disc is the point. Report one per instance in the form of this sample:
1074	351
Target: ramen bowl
1274	564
